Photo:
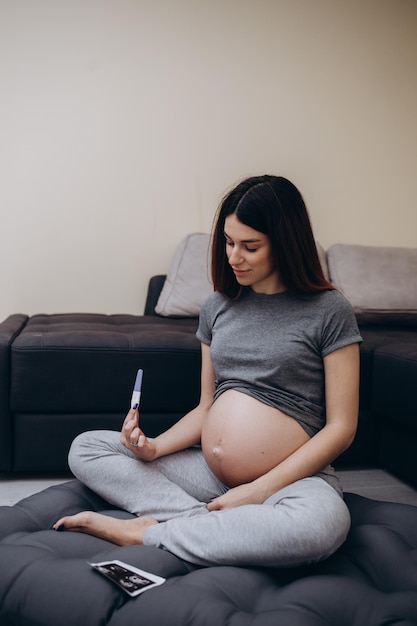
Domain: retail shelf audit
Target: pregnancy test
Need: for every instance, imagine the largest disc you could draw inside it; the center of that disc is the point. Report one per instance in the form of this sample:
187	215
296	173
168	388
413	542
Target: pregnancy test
134	403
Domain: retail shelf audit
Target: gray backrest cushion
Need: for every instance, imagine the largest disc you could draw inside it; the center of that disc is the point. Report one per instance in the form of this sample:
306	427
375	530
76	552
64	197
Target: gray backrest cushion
187	284
380	282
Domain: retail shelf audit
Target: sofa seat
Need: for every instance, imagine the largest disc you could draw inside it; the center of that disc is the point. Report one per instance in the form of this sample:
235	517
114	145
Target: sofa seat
394	403
75	372
45	578
66	373
70	355
366	449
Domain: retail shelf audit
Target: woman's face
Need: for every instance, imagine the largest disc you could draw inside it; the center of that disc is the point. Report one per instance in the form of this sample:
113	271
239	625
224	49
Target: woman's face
250	256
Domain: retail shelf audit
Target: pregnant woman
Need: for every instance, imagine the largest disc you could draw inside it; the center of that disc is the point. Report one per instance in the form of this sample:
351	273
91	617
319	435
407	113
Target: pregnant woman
245	477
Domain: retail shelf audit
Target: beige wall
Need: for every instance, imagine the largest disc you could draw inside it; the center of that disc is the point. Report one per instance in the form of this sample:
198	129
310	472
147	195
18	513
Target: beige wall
124	121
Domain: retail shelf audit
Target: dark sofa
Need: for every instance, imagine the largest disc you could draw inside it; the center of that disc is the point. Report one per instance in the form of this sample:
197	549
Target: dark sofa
65	373
61	374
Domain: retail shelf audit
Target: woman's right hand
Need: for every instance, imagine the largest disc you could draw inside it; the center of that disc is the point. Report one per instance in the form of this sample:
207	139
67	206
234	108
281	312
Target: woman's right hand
135	440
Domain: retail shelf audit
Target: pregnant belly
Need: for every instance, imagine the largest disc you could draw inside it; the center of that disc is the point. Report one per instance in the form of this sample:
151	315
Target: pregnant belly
243	438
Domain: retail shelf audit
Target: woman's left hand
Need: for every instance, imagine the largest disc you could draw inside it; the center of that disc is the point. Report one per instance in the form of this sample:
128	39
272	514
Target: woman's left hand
249	493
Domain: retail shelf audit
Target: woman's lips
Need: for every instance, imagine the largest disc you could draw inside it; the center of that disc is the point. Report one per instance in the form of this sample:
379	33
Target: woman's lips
240	272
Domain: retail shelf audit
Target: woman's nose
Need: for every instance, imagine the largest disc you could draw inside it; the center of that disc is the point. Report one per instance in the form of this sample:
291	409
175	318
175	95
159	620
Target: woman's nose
235	256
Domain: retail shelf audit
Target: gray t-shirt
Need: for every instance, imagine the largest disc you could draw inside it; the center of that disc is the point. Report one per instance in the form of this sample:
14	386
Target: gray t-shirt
271	347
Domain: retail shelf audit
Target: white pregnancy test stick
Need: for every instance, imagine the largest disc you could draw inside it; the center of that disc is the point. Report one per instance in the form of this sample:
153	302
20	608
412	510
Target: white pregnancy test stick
134	403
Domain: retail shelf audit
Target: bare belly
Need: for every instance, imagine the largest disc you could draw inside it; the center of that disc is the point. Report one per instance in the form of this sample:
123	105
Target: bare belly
243	438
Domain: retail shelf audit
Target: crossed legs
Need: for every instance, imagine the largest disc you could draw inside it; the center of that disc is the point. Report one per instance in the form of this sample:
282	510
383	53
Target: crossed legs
302	523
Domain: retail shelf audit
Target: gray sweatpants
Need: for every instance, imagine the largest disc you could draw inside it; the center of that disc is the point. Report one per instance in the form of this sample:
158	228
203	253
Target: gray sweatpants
302	523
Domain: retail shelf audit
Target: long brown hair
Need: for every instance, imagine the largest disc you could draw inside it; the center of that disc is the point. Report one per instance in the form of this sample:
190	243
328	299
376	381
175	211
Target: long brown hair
273	206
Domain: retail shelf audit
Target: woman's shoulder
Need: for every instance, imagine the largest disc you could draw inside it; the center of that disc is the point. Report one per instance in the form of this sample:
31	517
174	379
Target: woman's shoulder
338	314
215	301
330	302
212	307
334	297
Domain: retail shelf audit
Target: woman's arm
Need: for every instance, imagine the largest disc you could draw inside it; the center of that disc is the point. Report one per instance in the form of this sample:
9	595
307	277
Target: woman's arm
185	433
341	370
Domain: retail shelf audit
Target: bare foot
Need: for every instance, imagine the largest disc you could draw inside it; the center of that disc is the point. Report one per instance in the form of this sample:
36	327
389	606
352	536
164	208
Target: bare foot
121	532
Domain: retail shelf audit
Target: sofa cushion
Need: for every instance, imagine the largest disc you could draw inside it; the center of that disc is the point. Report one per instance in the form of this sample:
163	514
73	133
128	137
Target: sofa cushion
380	282
376	337
187	284
46	580
394	404
60	361
394	383
75	372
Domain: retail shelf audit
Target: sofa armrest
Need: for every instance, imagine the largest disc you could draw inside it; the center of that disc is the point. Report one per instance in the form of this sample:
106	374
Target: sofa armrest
154	289
9	329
